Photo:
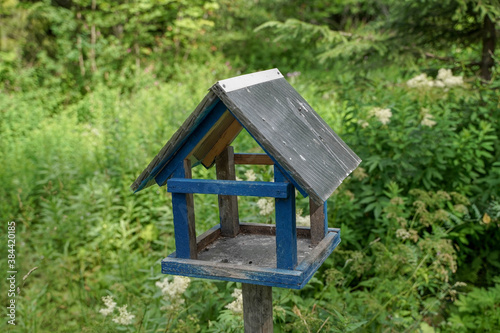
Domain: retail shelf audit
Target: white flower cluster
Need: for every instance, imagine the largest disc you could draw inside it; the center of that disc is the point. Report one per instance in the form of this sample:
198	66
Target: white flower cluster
110	305
383	115
237	305
302	220
250	175
444	79
407	234
428	119
363	123
124	318
172	291
266	206
403	234
420	81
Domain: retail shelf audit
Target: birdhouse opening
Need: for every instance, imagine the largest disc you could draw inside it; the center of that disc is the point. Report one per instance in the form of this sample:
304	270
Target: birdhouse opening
280	245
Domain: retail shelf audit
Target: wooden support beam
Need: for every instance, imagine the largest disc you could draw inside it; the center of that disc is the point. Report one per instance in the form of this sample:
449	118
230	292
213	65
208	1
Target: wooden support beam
226	138
207	238
253	159
286	233
257	308
230	187
211	138
319	221
270	229
183	210
228	204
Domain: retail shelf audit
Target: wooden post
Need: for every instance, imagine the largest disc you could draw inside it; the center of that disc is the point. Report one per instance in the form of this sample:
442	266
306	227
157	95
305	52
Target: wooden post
286	230
257	308
319	221
183	210
228	204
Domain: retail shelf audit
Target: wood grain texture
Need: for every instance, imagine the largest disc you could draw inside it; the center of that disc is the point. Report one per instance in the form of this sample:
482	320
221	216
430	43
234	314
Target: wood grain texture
230	187
231	272
319	221
257	308
295	279
286	233
312	155
207	238
228	204
270	229
291	132
253	159
310	265
211	138
184	219
225	139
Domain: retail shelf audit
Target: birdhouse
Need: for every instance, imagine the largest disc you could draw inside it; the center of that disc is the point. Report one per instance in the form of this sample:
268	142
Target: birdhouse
306	155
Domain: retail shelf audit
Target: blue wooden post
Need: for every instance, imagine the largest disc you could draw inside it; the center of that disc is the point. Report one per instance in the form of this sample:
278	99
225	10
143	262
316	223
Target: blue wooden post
183	210
286	231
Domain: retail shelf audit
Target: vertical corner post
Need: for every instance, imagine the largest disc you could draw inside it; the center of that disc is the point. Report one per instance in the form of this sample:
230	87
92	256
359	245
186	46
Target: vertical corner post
286	230
319	221
228	204
183	210
257	308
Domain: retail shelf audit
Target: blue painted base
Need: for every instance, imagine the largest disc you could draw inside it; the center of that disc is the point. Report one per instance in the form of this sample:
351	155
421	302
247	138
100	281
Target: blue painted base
273	277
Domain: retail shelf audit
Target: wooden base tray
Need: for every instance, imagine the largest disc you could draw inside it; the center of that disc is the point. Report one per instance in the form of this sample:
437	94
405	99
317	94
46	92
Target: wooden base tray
250	257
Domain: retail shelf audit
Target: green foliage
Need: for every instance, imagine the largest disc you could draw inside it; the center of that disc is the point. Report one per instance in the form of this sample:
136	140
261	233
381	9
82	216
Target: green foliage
90	92
476	311
406	150
382	35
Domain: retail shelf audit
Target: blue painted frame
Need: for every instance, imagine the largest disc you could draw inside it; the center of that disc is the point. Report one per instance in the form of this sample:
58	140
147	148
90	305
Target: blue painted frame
230	187
273	277
167	159
191	142
288	273
181	218
286	234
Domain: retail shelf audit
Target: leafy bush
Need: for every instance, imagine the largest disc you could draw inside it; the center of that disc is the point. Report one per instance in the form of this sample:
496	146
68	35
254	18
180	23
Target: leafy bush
476	311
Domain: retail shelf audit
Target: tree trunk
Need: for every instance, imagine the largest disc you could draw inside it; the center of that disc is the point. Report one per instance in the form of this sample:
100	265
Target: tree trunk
489	40
93	37
79	46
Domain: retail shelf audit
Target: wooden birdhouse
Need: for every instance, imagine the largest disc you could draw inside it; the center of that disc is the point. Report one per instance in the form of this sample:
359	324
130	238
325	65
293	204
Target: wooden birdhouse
307	155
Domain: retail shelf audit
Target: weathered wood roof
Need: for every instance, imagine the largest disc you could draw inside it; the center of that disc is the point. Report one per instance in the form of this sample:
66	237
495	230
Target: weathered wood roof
279	119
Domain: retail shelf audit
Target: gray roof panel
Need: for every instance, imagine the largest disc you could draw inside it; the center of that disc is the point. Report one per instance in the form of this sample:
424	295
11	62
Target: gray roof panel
293	133
284	124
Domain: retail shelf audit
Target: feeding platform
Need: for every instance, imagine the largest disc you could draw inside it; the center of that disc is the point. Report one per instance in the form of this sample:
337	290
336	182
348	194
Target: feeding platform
307	156
250	257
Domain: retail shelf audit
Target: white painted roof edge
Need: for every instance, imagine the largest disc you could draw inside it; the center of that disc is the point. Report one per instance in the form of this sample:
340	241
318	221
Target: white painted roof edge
247	80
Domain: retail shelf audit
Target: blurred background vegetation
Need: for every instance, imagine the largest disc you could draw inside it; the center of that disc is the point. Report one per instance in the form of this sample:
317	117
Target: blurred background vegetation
91	90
